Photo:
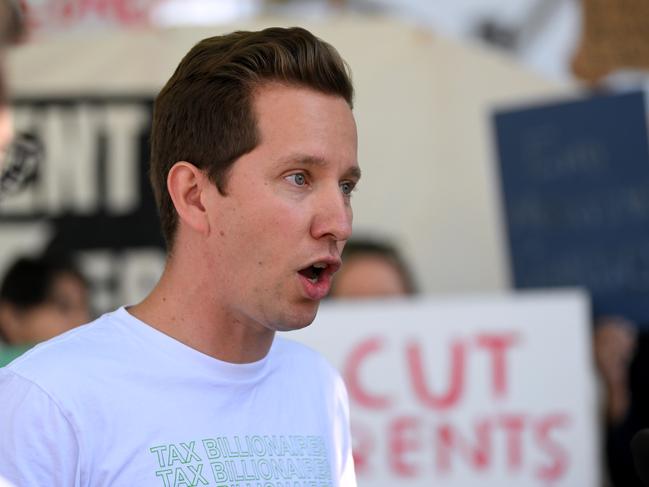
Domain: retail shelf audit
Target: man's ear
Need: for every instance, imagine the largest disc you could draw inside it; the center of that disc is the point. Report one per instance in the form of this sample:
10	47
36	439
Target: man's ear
186	184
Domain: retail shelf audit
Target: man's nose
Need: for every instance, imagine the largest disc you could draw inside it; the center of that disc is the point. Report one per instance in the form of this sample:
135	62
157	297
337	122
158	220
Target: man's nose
332	216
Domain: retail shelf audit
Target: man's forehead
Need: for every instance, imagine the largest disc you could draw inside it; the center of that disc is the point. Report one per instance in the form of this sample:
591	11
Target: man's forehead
266	91
265	86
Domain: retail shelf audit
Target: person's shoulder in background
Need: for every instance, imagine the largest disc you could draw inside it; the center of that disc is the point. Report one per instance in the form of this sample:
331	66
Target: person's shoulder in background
70	358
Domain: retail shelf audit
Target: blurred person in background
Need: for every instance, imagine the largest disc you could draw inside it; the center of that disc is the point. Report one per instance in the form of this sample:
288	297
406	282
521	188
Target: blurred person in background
12	30
40	298
622	358
372	269
19	153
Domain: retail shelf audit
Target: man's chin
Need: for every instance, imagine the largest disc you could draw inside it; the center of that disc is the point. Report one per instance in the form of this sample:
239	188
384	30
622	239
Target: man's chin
300	318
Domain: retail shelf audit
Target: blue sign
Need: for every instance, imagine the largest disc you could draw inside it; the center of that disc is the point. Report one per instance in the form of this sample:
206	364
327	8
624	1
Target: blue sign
575	182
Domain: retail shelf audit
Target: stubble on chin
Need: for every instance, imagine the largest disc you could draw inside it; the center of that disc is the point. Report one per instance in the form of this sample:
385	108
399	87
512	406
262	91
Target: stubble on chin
298	319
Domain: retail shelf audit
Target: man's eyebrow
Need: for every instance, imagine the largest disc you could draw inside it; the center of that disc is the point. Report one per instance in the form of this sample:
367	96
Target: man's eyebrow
352	172
302	159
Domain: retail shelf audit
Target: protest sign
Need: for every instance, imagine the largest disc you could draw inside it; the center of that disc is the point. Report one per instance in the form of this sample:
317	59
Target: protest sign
468	391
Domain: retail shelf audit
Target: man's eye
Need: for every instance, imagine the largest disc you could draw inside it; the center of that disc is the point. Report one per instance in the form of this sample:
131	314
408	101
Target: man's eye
347	187
298	179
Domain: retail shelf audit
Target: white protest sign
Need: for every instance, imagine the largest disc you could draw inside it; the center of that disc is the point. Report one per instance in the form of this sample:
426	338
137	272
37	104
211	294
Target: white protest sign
486	391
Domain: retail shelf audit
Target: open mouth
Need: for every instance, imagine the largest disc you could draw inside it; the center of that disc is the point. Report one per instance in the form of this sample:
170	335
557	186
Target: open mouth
314	272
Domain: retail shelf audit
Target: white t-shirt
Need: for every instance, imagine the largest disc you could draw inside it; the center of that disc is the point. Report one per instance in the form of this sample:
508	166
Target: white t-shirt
118	403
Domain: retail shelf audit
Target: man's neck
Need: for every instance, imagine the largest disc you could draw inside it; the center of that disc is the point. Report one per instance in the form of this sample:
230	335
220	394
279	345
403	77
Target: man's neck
179	307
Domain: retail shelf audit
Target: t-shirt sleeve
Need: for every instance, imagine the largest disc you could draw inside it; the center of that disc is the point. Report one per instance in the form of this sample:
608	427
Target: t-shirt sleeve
345	460
38	445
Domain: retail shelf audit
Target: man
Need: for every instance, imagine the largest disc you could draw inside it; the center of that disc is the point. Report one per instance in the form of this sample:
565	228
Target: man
253	162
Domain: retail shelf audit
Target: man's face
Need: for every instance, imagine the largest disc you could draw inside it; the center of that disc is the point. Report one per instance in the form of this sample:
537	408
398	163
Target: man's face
278	233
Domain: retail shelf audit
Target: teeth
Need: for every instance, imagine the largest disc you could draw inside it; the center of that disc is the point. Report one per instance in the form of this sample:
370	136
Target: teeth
320	265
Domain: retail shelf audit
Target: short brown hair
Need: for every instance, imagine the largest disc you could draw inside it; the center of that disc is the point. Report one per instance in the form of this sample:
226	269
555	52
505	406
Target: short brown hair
205	115
12	22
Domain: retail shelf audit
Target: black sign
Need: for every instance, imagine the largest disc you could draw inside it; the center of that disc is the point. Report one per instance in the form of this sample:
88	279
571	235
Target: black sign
90	196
